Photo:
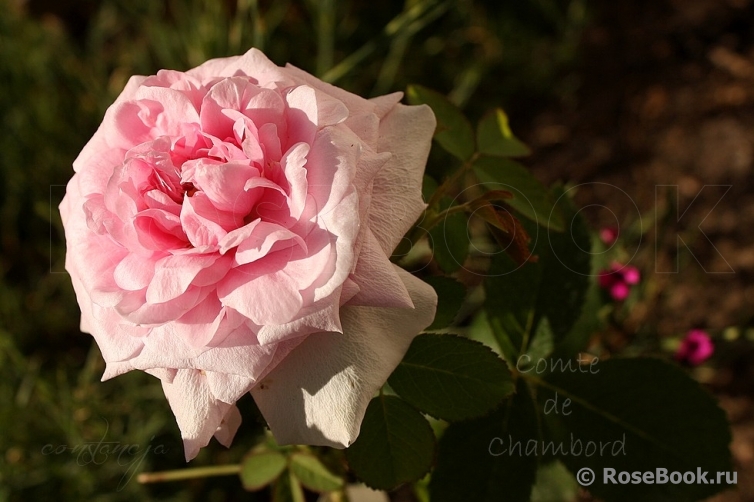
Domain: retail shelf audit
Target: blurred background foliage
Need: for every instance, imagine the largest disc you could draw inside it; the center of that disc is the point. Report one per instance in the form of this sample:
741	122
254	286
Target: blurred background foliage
62	63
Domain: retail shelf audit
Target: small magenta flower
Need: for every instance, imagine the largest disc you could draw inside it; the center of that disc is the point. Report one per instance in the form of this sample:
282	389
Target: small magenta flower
618	279
609	235
695	348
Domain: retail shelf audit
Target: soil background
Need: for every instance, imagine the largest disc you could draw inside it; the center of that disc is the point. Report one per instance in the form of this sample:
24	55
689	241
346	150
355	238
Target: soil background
664	119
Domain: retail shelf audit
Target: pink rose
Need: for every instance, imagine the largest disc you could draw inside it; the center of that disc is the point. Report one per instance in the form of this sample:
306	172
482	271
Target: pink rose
229	230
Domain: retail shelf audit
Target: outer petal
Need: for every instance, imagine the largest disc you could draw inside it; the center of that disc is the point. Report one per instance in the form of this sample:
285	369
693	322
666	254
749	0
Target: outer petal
379	284
236	354
383	104
114	341
198	412
256	65
96	155
90	258
356	104
213	68
228	427
318	394
406	132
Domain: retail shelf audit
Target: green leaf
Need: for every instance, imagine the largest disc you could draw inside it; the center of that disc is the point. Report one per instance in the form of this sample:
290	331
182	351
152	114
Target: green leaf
396	445
287	489
511	295
429	186
554	482
541	344
313	474
470	464
641	414
589	322
450	297
449	240
518	297
530	197
566	271
261	468
451	377
494	136
454	132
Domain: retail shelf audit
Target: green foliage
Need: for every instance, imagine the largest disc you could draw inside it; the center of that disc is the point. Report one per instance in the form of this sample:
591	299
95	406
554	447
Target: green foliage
530	198
313	474
553	288
657	412
449	240
288	470
468	467
451	377
554	482
450	297
453	132
287	488
396	445
261	468
494	136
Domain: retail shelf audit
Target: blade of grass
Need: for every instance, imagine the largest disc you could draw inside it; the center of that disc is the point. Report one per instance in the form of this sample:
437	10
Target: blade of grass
397	26
325	35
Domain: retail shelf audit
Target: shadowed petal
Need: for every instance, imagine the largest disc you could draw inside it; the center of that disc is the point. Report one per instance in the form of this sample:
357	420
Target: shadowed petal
318	394
406	132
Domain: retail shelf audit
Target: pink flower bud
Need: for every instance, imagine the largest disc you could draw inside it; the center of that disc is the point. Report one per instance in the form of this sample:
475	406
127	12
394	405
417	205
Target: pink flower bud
609	235
695	348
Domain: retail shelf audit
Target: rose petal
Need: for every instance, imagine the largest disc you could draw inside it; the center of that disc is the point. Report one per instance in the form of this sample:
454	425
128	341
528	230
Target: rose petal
356	104
264	238
90	258
397	199
104	327
134	272
174	274
134	308
160	230
262	294
332	164
223	184
227	429
214	68
320	316
379	284
317	110
293	163
204	224
256	65
198	412
237	353
318	394
383	104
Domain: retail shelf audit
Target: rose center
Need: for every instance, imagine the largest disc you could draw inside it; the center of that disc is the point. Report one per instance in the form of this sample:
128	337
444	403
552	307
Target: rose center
189	189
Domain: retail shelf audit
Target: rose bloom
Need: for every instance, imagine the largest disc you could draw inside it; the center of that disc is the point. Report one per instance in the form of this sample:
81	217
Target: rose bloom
229	230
